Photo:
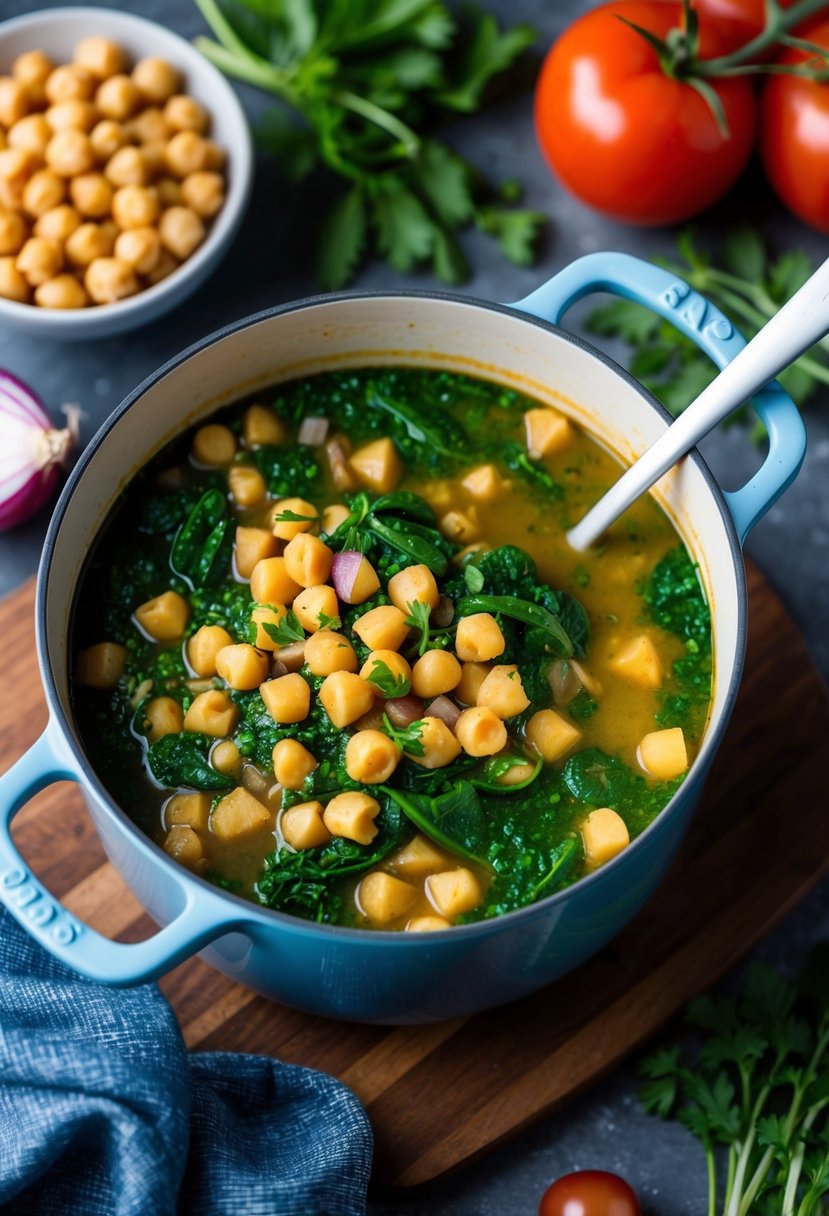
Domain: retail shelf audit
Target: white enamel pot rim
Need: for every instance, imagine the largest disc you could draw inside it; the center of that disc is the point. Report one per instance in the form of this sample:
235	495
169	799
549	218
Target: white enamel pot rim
245	911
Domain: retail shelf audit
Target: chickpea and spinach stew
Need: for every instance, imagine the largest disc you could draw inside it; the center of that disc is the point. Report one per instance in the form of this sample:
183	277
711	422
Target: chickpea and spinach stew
334	654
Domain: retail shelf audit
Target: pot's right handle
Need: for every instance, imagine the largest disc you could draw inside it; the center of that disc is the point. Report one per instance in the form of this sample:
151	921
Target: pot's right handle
671	297
202	918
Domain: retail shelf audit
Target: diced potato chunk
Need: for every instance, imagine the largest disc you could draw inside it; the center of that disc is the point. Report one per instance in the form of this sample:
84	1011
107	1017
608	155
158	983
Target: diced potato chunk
189	810
397	665
480	732
418	858
453	892
414	585
382	628
270	582
427	924
462	527
163	716
214	445
548	432
435	673
204	646
663	753
503	692
247	485
262	425
371	757
287	529
604	834
377	465
364	586
287	698
478	638
308	560
345	697
484	483
165	617
212	713
383	898
238	815
551	735
440	747
292	763
253	545
242	666
317	607
472	677
638	662
184	846
262	615
101	665
302	826
352	815
327	652
333	515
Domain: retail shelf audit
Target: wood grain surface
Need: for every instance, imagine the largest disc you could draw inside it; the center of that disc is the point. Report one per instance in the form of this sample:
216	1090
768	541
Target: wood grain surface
438	1095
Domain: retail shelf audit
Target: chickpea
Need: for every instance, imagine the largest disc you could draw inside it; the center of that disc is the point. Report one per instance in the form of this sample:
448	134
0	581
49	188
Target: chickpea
63	291
14	101
204	646
308	560
214	444
118	98
371	757
156	78
480	732
287	698
69	152
149	127
327	652
12	284
186	153
216	156
435	673
382	628
75	113
128	167
478	638
186	114
440	746
17	165
92	194
11	194
33	69
39	259
345	696
163	716
503	692
247	485
139	248
352	815
163	618
302	826
100	56
212	713
165	266
88	242
382	898
242	666
101	665
4	143
226	758
397	665
203	192
551	734
67	82
110	279
169	192
107	137
43	191
58	224
313	605
292	763
181	231
12	232
32	132
135	206
154	158
415	584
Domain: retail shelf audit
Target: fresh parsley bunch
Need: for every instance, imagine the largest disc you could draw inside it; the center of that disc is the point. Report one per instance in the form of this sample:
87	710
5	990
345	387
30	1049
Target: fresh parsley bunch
757	1093
360	80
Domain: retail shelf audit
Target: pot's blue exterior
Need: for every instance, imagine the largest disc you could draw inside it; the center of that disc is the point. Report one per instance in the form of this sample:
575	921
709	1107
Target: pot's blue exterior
374	976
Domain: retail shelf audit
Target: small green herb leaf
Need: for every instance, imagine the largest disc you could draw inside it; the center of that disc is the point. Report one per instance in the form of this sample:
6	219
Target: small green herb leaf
389	684
287	631
407	737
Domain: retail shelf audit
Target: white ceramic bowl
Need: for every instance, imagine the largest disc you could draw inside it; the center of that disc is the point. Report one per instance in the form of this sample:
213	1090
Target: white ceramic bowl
56	32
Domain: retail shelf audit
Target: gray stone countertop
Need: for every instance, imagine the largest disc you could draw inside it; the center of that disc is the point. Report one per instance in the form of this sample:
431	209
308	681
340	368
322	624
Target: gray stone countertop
270	263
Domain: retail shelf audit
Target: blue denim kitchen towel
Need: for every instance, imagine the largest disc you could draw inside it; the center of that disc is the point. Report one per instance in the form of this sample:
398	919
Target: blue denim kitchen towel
104	1113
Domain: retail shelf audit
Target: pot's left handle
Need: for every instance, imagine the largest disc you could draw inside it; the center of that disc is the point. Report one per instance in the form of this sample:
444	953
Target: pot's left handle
671	297
201	918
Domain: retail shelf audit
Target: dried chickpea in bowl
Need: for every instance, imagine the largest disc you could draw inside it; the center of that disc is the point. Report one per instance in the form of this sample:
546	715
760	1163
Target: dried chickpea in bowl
109	180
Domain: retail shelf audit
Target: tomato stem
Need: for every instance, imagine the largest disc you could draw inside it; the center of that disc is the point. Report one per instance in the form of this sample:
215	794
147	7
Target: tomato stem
778	23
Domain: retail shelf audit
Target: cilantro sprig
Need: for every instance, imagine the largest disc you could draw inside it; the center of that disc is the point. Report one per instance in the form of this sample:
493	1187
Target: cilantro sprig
287	631
406	737
747	284
388	683
360	80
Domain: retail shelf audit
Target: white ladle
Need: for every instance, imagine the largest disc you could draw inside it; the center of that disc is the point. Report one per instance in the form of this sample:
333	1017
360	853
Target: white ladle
801	322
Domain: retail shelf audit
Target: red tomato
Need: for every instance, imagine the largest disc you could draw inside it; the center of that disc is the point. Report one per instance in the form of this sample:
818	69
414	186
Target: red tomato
736	21
794	137
624	137
589	1193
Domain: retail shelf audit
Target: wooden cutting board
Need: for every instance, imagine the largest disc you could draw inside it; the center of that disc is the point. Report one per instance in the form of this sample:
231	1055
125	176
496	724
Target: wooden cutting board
438	1095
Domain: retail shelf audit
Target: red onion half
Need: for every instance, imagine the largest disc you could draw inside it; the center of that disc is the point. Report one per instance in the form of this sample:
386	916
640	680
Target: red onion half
32	451
344	570
444	709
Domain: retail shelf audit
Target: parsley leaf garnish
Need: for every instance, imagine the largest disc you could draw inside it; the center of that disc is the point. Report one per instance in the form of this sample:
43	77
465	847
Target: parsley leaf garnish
418	618
406	737
389	684
329	622
287	631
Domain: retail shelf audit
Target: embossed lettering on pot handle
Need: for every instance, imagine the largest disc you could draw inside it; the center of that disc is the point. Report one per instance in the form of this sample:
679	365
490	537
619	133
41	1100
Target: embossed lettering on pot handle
671	297
202	916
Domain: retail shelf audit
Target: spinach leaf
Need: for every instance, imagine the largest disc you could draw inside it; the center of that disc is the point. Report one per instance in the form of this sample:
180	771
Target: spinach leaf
598	779
453	819
437	432
518	460
561	863
676	599
555	637
181	760
498	766
202	546
289	470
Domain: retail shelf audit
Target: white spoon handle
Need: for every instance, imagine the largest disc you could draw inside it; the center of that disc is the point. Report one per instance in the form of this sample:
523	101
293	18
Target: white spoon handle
801	322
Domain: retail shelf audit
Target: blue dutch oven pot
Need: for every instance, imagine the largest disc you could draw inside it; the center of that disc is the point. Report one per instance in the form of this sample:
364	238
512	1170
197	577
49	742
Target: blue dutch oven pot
348	973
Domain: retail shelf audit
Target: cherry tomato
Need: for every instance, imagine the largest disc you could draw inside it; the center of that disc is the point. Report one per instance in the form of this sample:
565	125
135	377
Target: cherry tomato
736	21
624	137
794	137
589	1193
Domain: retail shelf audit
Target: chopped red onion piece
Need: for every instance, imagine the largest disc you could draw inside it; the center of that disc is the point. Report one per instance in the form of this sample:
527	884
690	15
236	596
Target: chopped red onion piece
403	711
444	709
278	668
344	569
444	613
290	658
313	432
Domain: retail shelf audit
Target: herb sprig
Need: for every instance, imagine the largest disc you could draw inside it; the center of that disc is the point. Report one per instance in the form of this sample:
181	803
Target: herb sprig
363	77
287	631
